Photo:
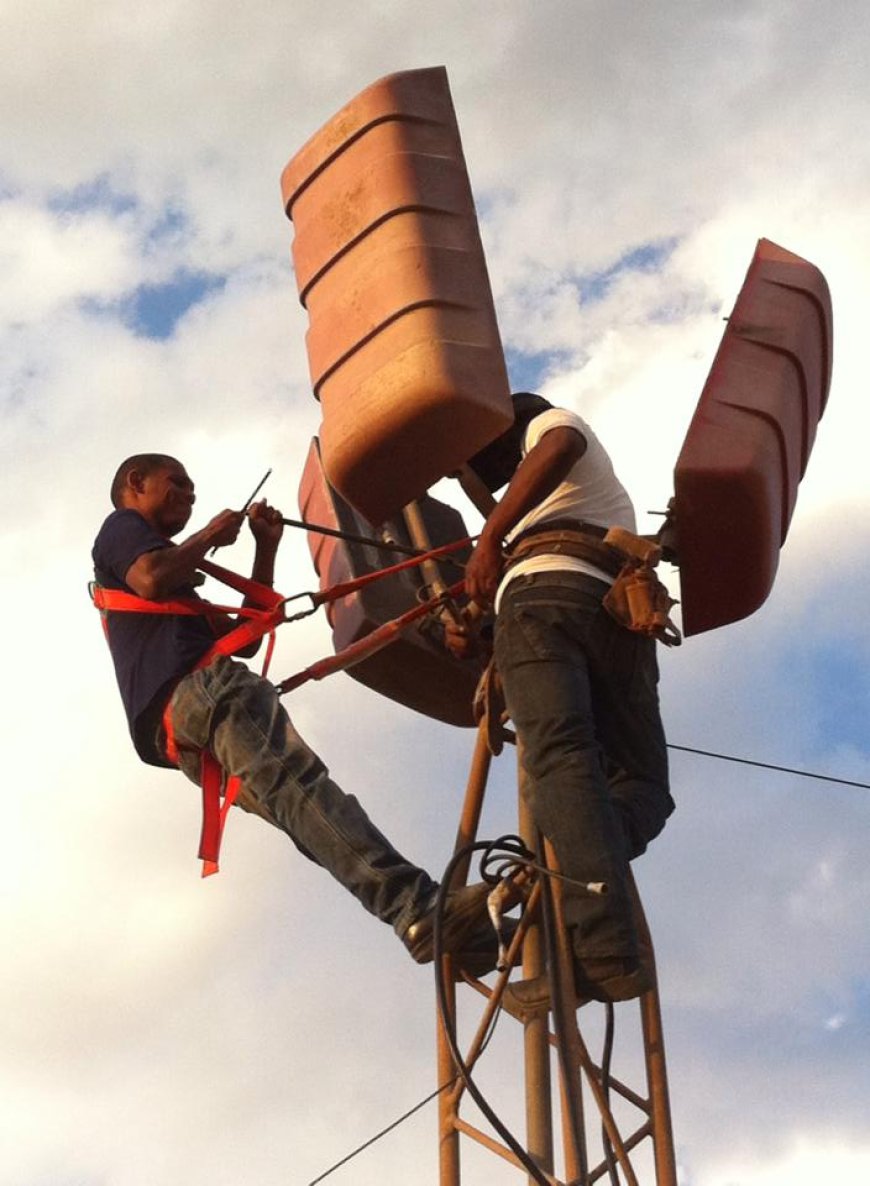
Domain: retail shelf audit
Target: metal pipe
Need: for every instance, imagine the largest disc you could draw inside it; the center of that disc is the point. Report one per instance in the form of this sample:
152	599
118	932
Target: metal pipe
448	1136
475	490
448	1140
536	1037
568	1040
654	1052
420	537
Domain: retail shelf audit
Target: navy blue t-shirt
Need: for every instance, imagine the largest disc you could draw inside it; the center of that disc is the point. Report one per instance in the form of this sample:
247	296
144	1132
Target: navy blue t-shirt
150	651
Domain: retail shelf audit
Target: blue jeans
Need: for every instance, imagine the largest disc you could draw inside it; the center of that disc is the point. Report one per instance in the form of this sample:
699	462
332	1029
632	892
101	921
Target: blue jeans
238	716
582	692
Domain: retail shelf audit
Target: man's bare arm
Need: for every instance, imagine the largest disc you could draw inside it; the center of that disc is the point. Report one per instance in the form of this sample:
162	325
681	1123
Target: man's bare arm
155	575
538	475
267	527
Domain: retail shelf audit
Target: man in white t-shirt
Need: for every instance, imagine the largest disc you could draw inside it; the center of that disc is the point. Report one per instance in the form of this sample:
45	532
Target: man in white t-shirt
581	689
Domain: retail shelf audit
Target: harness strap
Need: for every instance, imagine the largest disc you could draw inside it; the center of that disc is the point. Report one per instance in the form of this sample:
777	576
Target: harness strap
214	813
369	645
259	619
335	592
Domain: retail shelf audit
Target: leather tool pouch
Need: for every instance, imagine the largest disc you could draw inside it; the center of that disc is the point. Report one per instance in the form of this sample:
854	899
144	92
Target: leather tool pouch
637	599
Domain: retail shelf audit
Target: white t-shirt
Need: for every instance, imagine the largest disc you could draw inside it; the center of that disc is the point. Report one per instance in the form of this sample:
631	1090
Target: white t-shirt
591	491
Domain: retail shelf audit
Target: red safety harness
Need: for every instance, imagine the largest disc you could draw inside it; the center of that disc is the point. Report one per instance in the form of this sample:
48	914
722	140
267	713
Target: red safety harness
259	618
266	611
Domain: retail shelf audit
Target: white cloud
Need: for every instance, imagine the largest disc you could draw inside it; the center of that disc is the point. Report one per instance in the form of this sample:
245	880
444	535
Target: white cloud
802	1165
49	261
258	1026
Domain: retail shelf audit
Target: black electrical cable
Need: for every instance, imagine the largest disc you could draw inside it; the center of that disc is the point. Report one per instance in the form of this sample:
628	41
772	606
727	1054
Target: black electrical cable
704	753
510	852
450	1035
606	1061
549	921
503	855
519	855
516	854
395	1124
400	1119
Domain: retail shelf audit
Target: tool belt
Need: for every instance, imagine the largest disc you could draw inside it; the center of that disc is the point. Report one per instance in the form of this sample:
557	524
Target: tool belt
637	599
566	537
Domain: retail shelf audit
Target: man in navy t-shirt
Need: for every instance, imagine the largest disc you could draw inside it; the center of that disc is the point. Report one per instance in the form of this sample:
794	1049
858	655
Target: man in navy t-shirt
150	651
236	715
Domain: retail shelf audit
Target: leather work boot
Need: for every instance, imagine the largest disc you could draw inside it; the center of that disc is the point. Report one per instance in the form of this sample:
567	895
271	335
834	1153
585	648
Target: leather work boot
609	980
478	954
465	916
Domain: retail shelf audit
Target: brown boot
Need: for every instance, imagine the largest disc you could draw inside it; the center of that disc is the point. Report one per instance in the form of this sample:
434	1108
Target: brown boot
608	979
611	979
465	915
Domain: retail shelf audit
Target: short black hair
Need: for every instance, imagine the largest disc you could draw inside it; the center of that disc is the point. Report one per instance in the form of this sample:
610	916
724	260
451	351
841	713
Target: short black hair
496	462
146	463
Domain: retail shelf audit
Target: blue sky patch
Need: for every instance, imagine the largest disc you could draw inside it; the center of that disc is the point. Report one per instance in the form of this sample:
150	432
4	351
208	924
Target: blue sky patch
98	194
647	257
172	223
154	310
840	683
527	372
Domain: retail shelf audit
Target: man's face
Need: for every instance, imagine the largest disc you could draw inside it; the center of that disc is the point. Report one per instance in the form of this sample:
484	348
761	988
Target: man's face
165	497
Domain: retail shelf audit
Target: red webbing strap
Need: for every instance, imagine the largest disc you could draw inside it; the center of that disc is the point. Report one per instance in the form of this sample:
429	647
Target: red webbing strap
121	602
214	813
346	587
260	619
118	601
269	614
263	596
376	641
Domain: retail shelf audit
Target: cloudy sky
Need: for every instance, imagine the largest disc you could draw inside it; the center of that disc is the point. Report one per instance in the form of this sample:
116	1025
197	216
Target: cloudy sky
625	157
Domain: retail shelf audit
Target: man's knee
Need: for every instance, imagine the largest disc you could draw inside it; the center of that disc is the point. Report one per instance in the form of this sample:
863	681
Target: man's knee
643	817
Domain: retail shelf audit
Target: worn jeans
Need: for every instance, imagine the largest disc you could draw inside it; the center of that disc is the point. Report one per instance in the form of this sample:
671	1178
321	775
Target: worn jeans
238	716
583	695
